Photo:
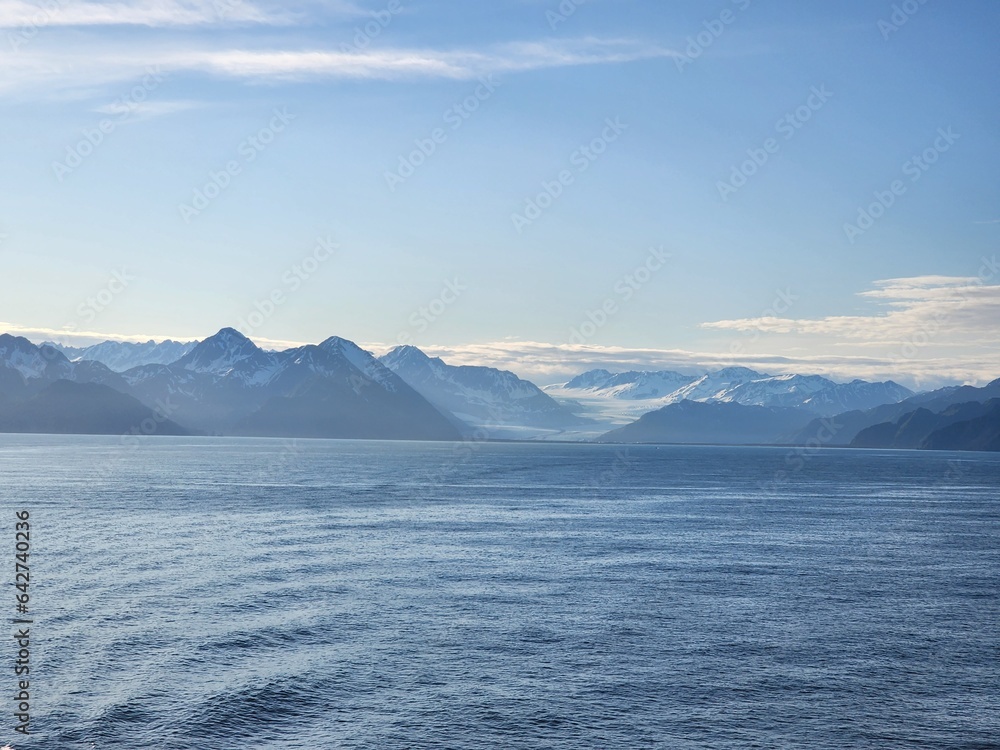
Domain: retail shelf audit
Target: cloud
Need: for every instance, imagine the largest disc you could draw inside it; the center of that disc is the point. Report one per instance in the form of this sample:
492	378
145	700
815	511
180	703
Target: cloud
49	70
411	63
949	310
148	110
21	14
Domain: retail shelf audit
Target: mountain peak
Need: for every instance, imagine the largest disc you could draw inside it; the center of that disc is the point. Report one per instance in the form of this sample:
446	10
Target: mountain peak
218	354
9	343
229	334
338	342
738	372
346	347
407	353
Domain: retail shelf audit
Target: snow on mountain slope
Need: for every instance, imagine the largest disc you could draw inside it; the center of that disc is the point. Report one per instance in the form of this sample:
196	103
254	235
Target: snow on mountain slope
496	400
625	396
714	386
120	356
17	353
636	385
229	354
362	360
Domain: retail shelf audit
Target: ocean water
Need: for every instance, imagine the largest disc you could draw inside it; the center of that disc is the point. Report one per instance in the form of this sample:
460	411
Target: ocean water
256	594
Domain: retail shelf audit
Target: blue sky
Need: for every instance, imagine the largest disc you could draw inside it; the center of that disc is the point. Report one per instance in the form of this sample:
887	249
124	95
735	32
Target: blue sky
713	165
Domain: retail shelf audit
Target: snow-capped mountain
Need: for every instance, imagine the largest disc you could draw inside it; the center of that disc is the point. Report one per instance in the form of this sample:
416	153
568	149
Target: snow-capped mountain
497	401
605	392
818	394
227	384
230	354
42	391
362	360
120	356
30	361
336	389
631	385
31	366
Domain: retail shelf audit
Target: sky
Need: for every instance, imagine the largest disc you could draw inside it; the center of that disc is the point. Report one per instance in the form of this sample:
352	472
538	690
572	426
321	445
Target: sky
538	185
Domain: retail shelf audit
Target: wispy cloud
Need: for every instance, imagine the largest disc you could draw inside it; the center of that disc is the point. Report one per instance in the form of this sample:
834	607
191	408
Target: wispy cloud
415	63
148	110
957	310
50	70
20	14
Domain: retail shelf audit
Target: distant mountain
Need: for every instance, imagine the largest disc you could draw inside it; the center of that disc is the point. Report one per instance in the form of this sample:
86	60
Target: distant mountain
226	384
17	354
913	428
634	385
339	390
336	390
65	407
496	400
845	427
718	423
24	366
231	355
957	427
646	391
120	356
979	434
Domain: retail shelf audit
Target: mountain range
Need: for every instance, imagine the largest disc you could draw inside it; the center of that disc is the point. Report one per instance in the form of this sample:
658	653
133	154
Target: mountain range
711	422
969	425
226	384
629	394
496	400
842	429
124	355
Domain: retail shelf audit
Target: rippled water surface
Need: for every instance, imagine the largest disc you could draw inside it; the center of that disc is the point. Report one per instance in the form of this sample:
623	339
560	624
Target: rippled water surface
224	593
